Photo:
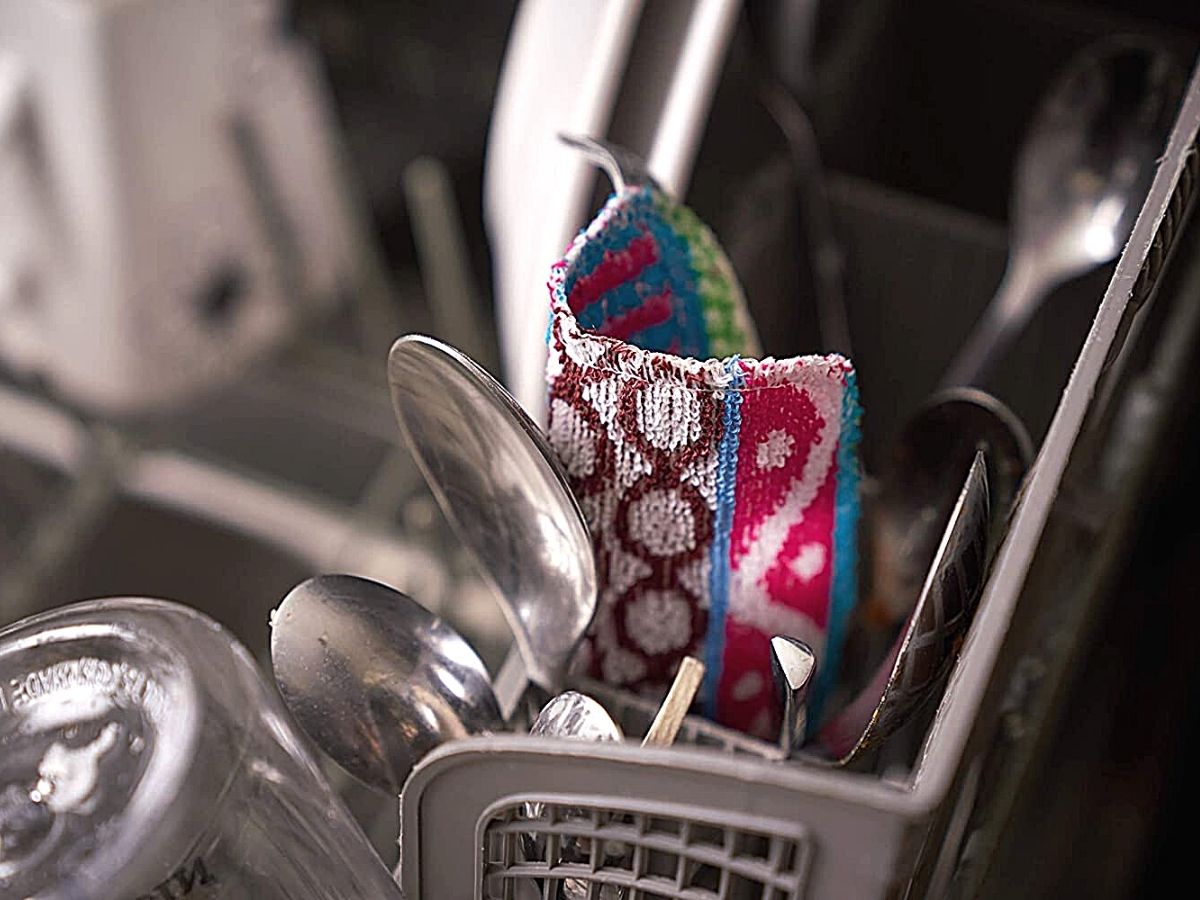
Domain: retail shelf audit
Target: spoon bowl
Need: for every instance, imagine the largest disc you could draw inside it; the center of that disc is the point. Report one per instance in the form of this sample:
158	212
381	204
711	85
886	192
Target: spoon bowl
935	450
500	486
1081	177
375	679
577	716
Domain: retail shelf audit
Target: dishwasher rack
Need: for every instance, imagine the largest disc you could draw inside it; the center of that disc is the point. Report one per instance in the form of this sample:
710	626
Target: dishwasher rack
719	816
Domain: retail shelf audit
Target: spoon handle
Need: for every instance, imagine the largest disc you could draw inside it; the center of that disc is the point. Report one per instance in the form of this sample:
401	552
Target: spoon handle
518	697
1018	297
511	684
927	647
624	168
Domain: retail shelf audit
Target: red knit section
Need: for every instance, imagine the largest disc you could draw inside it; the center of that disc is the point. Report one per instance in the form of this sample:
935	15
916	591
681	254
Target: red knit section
650	524
654	310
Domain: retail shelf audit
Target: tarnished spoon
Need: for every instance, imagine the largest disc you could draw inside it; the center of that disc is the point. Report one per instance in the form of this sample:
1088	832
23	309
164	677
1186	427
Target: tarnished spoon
1082	174
500	486
375	679
921	658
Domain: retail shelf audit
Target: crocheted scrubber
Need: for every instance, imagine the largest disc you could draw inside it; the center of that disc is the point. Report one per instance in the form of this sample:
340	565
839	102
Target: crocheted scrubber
721	493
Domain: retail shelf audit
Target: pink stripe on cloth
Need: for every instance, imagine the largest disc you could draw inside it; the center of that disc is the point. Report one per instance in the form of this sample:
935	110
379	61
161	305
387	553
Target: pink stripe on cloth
782	541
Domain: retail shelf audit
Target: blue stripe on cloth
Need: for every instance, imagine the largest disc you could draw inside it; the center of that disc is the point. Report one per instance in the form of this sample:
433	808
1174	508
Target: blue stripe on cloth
615	235
718	578
688	325
686	332
843	592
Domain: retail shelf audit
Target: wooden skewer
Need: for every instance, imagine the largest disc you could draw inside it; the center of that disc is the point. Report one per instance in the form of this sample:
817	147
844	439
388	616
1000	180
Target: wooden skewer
669	719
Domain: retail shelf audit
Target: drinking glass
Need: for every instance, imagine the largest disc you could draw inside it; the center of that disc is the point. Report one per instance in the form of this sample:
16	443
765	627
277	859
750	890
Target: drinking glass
142	755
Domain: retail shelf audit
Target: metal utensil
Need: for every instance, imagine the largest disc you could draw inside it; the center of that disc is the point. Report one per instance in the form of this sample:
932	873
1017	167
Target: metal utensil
1080	179
499	485
826	257
623	167
917	491
793	665
923	654
374	678
578	716
575	715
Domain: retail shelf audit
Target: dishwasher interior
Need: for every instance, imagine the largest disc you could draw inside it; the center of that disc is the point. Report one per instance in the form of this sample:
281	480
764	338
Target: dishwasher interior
295	467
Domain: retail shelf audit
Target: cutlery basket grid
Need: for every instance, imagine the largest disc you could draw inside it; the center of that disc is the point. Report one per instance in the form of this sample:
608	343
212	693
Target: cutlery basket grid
719	815
598	846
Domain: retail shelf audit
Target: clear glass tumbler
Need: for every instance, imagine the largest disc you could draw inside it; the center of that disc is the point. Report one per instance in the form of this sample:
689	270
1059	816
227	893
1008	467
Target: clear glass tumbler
142	755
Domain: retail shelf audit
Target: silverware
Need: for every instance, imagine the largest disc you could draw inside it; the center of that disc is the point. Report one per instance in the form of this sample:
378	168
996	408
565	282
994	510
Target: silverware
374	678
623	167
575	715
578	716
918	489
922	656
793	666
499	485
1080	179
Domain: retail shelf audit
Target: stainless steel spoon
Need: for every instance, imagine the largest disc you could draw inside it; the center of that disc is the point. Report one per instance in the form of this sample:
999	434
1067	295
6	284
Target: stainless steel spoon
924	652
1080	179
375	679
623	167
500	486
793	665
920	485
575	715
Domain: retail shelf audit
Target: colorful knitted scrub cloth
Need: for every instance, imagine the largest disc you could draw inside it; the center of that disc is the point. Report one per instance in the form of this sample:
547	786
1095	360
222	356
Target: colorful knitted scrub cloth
721	491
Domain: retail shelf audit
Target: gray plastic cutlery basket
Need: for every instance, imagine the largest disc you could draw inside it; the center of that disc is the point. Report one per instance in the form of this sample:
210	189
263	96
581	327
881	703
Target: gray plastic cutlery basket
719	815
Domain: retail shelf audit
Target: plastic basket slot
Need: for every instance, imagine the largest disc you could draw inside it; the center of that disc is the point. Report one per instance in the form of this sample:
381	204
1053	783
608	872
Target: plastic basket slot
637	854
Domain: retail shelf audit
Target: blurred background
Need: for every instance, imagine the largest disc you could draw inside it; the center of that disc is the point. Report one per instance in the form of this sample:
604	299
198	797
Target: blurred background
216	216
